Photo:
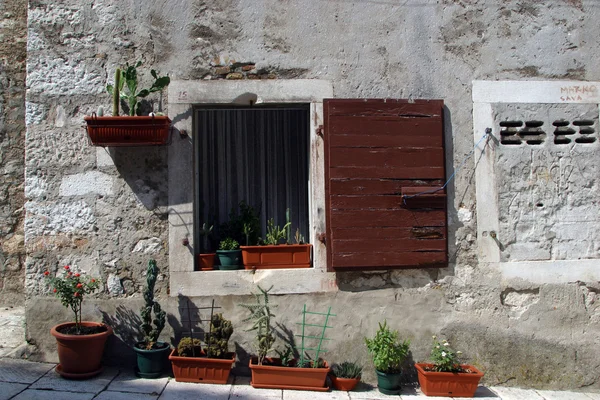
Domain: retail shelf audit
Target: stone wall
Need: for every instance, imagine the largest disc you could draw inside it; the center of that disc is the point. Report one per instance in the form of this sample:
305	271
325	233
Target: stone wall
13	43
105	211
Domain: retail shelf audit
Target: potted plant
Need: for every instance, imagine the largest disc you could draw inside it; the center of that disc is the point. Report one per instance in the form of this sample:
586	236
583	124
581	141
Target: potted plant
345	376
192	364
276	255
285	372
229	253
206	258
80	343
445	375
388	354
151	354
132	130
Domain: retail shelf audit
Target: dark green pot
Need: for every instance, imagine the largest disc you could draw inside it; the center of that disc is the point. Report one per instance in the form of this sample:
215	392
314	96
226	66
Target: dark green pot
388	383
151	363
230	259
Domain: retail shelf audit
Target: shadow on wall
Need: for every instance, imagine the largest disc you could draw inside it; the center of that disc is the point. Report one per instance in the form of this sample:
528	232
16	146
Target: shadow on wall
126	325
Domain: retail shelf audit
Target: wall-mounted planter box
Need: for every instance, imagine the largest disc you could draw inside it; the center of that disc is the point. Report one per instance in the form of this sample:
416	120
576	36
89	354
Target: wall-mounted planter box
278	377
128	131
201	369
276	257
451	384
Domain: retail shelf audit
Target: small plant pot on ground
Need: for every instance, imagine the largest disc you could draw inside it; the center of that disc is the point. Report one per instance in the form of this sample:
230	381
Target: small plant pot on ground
277	256
151	363
206	261
271	375
201	369
80	356
453	384
345	384
230	259
388	383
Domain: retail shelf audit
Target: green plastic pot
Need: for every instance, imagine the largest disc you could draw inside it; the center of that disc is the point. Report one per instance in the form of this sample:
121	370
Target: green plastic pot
151	363
388	383
230	259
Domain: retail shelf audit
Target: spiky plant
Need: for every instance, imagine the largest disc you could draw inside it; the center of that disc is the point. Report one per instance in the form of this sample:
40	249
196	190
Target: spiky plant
220	332
260	315
347	369
151	333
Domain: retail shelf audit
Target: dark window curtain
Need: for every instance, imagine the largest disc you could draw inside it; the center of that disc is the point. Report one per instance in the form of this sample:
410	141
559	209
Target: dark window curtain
256	155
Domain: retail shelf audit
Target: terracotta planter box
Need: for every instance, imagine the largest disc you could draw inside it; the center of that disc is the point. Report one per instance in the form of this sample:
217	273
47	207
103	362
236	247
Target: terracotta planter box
201	369
278	377
274	257
128	131
448	383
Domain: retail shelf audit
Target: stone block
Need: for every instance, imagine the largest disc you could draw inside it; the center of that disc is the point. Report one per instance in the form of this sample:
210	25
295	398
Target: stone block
32	394
20	371
8	390
128	382
52	381
183	390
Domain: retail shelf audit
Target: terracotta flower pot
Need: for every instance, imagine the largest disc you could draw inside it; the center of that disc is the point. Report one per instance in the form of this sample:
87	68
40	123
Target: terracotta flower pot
452	384
201	369
346	384
128	131
80	356
207	261
279	256
278	377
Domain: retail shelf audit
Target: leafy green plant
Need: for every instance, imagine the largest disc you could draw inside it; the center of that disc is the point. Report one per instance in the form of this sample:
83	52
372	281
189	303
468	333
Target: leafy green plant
70	289
229	244
286	356
347	369
260	315
151	334
128	79
218	340
444	358
386	349
189	347
274	234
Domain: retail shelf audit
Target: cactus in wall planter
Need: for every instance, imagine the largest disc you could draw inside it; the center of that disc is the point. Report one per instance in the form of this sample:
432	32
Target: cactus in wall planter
151	354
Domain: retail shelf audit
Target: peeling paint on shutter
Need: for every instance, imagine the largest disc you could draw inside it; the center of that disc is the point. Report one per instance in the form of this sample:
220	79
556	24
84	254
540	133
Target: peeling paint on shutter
376	152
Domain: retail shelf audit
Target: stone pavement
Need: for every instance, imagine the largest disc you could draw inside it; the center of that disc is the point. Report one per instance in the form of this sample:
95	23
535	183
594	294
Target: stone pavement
12	329
26	380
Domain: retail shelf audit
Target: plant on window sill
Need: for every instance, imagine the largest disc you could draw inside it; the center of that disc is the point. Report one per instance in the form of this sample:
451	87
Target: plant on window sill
206	258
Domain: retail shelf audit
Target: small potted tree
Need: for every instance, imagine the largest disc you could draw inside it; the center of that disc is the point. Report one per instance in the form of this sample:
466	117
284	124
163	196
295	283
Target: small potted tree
132	130
230	255
445	375
345	376
80	343
151	354
193	364
388	354
206	258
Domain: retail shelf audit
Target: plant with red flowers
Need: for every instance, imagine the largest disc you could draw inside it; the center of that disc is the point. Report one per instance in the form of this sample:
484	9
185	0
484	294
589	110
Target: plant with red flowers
70	289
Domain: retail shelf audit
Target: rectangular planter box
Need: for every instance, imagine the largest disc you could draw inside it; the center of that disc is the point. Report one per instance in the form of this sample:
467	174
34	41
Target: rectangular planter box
201	369
278	377
279	256
448	383
128	131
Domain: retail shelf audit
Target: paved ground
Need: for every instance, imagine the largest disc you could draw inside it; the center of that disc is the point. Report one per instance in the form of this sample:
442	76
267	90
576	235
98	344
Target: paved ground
12	329
26	380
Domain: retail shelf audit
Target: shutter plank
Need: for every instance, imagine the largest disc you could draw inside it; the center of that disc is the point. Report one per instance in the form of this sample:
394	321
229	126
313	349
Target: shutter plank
377	186
379	260
384	218
425	232
379	171
395	158
389	245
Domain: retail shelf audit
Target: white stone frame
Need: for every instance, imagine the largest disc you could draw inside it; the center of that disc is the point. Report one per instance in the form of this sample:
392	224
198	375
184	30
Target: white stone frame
183	95
486	93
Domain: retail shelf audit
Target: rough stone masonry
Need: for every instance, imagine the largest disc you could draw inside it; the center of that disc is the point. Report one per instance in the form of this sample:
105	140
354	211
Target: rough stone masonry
105	211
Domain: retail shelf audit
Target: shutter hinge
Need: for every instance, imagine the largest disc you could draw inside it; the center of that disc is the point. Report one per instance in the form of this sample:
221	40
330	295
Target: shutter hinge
320	131
321	237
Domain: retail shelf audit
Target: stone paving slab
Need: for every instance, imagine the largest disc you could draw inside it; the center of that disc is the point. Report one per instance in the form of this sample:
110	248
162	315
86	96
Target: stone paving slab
8	390
594	396
508	393
127	381
31	394
21	371
53	381
185	391
555	395
305	395
109	395
368	393
243	391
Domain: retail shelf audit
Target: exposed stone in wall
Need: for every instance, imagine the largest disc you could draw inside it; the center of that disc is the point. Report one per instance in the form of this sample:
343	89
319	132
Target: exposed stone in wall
13	40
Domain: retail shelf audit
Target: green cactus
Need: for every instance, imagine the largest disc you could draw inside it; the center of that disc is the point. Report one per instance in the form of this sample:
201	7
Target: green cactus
151	334
117	92
189	347
220	332
260	313
274	234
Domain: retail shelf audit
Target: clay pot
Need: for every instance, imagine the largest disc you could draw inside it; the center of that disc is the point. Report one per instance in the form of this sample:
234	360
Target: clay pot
345	384
80	356
201	369
452	384
206	261
279	377
276	257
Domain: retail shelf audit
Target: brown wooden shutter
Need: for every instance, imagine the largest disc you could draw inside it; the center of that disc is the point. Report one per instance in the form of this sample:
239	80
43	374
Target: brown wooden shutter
376	151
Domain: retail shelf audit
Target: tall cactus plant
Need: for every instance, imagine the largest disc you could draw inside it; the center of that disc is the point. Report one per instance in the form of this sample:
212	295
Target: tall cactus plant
151	333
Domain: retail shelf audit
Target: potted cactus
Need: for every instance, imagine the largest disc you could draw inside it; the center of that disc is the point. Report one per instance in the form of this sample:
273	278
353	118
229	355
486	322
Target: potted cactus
192	363
206	258
229	253
345	376
132	130
151	354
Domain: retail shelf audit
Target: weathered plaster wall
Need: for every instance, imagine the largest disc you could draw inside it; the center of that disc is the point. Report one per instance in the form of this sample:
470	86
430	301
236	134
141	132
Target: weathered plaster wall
94	208
13	42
